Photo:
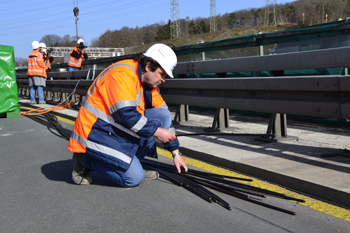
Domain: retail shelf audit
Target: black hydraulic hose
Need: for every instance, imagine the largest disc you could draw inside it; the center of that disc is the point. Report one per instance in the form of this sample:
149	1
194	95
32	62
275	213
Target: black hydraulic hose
171	168
270	206
256	189
223	134
237	190
194	187
246	198
186	184
230	189
217	175
54	123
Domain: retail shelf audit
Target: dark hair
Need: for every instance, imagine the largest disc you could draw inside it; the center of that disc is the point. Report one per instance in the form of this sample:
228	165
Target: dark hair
143	60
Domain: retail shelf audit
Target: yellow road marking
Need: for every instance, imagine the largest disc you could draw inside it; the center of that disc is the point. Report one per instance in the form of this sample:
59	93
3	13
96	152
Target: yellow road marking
59	118
310	202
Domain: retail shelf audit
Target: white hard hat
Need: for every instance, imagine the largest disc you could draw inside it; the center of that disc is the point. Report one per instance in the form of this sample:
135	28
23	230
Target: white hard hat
35	44
80	40
164	55
42	45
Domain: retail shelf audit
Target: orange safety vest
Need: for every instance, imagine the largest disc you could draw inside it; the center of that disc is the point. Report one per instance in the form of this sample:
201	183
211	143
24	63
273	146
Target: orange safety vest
47	63
36	64
111	121
74	62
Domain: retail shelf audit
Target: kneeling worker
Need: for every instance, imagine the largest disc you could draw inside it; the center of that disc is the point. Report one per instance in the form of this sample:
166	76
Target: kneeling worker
121	117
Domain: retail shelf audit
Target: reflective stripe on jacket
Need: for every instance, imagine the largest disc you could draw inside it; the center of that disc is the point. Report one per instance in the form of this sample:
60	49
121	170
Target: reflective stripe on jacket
36	64
47	63
111	121
73	61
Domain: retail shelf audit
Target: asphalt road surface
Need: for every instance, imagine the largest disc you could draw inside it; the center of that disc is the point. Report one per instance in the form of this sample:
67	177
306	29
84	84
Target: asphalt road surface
38	195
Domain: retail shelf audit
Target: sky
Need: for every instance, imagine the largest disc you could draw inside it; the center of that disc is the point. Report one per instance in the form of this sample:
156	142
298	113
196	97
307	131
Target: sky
24	21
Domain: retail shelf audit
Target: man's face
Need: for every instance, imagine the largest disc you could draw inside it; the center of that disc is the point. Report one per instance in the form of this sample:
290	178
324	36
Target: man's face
153	78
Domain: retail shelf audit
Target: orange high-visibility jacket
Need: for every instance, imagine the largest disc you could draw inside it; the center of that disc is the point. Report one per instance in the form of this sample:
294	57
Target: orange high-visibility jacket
47	63
36	64
111	121
75	62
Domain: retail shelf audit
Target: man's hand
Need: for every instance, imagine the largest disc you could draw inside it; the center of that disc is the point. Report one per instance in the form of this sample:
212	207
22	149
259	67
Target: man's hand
179	162
164	135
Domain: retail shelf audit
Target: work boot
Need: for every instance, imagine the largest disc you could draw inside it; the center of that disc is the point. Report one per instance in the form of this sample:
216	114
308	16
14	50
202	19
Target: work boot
151	175
80	174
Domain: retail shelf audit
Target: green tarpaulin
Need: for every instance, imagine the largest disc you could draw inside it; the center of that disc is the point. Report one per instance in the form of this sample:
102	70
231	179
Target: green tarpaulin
8	85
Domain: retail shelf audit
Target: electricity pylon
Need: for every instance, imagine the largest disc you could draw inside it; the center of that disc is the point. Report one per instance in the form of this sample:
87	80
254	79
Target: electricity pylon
267	12
175	22
213	25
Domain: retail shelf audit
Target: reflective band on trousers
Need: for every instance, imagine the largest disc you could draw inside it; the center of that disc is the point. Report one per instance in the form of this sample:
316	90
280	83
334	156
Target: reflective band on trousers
107	118
101	148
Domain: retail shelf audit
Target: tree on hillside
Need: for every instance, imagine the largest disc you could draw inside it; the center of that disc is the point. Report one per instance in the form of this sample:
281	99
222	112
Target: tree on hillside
125	37
95	42
203	27
51	40
231	20
289	11
314	13
106	39
193	28
68	41
149	33
19	61
163	32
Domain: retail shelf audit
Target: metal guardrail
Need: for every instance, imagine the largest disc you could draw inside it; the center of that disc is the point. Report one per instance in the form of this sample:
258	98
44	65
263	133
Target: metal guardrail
305	96
326	58
314	96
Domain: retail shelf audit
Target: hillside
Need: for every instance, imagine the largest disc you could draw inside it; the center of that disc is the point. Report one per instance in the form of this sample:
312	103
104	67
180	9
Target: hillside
212	36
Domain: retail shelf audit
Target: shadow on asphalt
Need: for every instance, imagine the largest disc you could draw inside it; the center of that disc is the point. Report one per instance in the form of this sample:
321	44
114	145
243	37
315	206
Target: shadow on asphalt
61	171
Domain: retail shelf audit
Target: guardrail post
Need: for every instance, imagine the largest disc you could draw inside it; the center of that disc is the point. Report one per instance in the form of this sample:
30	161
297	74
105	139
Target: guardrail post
63	97
221	120
55	96
81	100
182	113
278	127
48	95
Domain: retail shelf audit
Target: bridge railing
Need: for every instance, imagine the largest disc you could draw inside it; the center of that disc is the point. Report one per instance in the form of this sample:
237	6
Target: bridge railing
314	96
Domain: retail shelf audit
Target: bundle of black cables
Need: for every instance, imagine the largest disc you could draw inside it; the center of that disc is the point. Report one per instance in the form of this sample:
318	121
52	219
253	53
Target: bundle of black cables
52	124
195	181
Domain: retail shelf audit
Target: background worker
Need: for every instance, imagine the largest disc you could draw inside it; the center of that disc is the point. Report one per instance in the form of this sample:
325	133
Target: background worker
121	117
36	73
76	56
48	57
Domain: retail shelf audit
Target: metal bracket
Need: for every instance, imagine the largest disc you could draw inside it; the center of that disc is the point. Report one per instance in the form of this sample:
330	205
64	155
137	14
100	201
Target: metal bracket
221	120
182	113
278	127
